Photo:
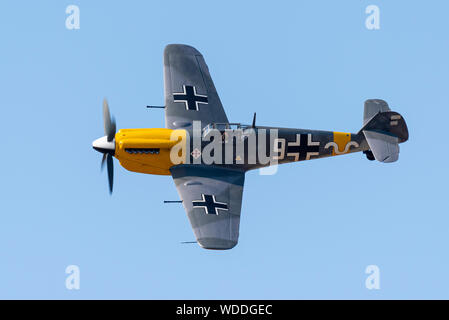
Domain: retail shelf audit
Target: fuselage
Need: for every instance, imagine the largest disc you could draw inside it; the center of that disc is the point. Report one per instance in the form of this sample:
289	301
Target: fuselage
155	151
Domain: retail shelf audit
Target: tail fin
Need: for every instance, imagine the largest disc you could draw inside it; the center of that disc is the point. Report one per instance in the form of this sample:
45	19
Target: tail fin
383	130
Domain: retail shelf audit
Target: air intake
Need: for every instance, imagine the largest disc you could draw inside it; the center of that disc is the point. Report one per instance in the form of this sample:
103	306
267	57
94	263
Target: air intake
142	150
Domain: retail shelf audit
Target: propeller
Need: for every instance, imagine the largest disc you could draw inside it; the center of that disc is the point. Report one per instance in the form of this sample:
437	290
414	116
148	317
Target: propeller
109	123
106	144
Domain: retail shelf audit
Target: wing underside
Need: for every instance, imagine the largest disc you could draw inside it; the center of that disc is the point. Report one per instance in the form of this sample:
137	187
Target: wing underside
190	93
212	199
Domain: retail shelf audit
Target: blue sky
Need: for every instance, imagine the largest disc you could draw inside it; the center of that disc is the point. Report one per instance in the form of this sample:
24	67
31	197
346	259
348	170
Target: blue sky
307	232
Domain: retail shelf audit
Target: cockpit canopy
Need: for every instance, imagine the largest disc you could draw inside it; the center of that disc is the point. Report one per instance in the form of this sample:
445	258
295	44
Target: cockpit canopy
222	127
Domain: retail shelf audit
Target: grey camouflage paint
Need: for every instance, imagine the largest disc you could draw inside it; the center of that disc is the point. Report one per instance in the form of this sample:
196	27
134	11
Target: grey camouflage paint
185	66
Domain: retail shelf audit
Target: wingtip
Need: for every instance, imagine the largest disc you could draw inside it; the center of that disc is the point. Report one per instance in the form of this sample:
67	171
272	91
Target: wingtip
216	243
180	49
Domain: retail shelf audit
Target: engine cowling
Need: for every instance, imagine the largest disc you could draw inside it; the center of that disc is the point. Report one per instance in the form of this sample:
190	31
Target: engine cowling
148	150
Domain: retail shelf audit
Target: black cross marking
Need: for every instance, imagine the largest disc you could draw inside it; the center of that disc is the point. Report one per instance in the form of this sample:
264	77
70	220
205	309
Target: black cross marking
190	98
210	205
303	148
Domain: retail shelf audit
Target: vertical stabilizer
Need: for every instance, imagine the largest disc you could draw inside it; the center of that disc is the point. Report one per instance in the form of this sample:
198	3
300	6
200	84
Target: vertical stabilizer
383	130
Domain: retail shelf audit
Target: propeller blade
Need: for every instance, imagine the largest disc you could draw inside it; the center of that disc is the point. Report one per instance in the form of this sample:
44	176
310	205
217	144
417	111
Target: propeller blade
109	123
111	136
103	160
110	165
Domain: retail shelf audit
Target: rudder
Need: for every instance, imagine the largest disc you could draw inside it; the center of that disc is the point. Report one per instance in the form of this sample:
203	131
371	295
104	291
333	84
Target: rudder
383	130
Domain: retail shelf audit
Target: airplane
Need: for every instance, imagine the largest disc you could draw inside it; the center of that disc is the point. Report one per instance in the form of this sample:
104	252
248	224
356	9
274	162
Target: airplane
207	156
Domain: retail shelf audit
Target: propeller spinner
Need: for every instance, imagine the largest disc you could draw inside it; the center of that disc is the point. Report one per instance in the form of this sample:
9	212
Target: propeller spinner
106	144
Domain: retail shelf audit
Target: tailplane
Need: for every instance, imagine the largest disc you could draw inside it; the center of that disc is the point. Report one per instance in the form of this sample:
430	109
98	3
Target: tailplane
383	130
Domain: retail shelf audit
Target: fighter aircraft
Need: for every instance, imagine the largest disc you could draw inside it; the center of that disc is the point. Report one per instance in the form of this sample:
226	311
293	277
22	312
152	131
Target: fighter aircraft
207	156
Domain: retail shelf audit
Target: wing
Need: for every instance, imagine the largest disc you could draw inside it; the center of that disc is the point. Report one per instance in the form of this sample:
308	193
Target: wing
190	93
212	198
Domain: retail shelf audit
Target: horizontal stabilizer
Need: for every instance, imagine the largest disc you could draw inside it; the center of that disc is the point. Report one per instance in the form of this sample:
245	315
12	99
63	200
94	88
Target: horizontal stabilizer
383	130
384	147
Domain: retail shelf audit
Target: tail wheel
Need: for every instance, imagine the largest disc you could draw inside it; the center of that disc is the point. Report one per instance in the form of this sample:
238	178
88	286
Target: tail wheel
369	155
